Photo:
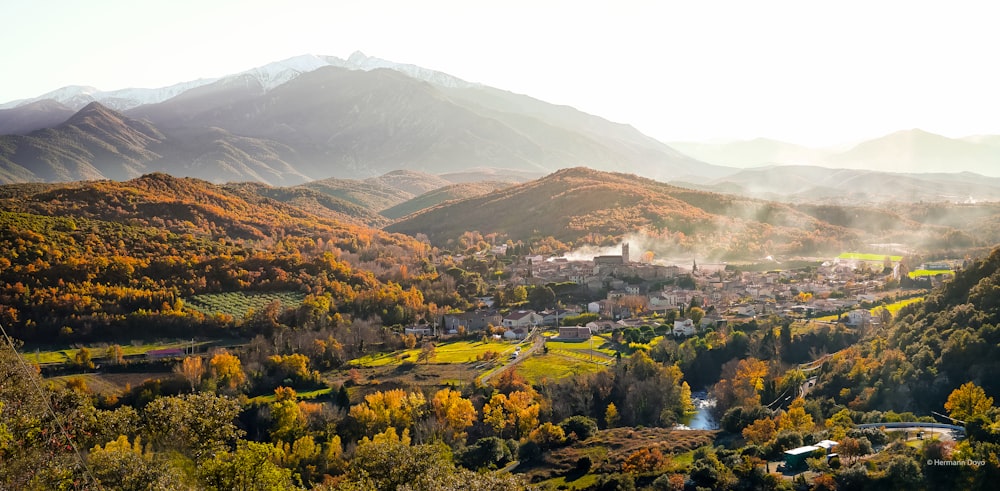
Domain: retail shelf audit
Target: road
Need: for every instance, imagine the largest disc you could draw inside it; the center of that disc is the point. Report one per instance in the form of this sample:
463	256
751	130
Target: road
537	342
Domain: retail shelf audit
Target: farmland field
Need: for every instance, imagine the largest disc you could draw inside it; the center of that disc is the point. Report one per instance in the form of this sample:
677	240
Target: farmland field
921	273
97	352
860	256
237	304
447	352
555	366
602	347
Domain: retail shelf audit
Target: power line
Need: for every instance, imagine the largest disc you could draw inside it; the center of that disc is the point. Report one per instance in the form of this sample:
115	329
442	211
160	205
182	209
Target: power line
48	406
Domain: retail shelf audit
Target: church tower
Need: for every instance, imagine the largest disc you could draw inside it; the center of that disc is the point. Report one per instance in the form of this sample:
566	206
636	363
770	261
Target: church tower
625	253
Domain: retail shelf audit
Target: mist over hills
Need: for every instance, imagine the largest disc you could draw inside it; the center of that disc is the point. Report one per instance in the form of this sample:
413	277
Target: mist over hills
911	151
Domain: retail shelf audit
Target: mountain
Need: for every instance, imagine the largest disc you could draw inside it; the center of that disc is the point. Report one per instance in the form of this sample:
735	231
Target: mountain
814	184
905	152
919	151
378	193
100	143
448	193
94	143
582	206
315	117
33	116
314	202
752	153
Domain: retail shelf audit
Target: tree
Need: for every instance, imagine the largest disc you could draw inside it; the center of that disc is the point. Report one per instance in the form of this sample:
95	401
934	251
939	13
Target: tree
547	436
192	369
393	408
125	466
851	449
580	426
967	401
251	467
228	370
427	352
761	431
696	314
541	297
197	424
115	354
796	418
82	358
453	413
611	415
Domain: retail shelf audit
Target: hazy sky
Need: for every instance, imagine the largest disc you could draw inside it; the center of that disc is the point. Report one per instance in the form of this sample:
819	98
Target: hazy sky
802	71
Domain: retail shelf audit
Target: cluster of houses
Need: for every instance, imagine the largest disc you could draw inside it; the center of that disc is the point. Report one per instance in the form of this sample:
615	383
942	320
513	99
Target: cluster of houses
635	289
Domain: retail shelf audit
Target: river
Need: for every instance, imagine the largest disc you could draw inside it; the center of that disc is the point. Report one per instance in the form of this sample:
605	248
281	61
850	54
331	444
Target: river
702	418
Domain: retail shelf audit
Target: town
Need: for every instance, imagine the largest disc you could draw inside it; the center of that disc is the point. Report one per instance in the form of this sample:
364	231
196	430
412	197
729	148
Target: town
624	291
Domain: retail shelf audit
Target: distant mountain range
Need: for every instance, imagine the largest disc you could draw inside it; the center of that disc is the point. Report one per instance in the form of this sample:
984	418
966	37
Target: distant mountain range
315	117
911	152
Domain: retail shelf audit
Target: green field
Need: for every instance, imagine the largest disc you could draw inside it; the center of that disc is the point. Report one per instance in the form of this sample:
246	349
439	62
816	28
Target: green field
301	396
860	256
921	273
602	347
98	352
237	304
448	352
555	366
896	306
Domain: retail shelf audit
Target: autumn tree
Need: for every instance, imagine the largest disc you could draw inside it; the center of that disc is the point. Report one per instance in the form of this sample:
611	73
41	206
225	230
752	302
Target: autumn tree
645	461
796	418
228	370
547	436
390	409
453	414
741	383
115	354
192	369
760	432
611	415
427	352
967	401
83	359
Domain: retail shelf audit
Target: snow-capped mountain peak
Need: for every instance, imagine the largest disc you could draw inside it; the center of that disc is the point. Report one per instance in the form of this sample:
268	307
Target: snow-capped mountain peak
268	76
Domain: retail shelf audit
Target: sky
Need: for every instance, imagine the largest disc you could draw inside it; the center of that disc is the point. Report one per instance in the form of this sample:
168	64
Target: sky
808	72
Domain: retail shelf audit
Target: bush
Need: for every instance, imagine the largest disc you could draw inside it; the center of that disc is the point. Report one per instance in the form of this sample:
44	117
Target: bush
583	464
582	426
486	453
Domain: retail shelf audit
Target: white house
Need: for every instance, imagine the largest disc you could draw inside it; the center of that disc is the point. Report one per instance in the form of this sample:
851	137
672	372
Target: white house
594	307
859	317
522	318
516	333
684	327
421	330
601	326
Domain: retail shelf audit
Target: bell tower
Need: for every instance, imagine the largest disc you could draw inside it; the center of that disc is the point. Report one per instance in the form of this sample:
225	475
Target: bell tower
625	252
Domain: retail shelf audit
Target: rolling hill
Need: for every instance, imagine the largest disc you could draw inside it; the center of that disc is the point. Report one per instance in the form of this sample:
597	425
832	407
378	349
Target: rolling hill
581	205
448	193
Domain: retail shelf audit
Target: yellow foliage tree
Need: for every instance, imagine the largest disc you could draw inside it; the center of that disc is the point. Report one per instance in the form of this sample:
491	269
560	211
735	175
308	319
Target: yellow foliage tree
967	401
394	408
228	370
453	413
796	418
760	432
